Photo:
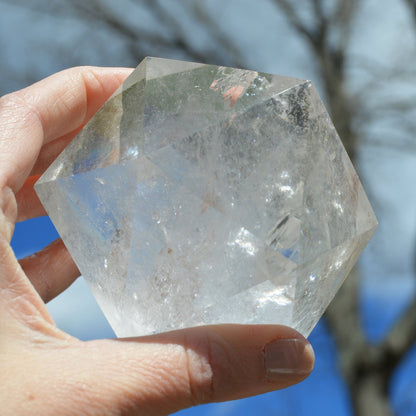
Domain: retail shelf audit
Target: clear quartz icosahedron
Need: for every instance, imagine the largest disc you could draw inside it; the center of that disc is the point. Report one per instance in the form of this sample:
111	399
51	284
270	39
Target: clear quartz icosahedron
201	194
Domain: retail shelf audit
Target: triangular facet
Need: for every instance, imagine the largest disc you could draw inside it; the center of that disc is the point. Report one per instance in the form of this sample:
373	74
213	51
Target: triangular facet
319	280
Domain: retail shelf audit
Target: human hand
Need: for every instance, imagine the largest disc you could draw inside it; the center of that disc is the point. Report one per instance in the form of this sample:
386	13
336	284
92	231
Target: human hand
45	371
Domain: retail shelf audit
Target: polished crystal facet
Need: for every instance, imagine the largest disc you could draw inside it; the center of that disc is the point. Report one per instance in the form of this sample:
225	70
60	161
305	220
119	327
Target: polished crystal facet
201	194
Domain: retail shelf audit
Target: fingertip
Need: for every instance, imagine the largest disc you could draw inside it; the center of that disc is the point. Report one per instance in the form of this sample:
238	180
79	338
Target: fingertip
262	358
288	361
50	270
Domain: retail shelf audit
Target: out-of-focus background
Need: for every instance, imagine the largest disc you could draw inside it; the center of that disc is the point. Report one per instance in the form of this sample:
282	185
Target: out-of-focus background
361	55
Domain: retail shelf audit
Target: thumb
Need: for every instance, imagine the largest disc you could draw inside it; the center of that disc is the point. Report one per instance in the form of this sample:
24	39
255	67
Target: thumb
160	374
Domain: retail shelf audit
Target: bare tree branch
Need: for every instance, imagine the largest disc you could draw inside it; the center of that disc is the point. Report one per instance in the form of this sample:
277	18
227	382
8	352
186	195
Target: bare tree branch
221	42
400	339
180	40
412	5
318	7
344	321
94	11
140	41
331	58
289	9
345	12
219	37
363	365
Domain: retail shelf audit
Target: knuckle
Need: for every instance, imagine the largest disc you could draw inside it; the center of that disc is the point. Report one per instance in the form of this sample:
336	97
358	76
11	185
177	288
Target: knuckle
8	212
17	107
14	101
209	367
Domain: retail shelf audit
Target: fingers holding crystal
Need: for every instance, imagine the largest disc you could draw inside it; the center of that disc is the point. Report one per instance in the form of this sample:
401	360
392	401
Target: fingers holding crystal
51	150
47	110
241	360
28	204
160	374
50	270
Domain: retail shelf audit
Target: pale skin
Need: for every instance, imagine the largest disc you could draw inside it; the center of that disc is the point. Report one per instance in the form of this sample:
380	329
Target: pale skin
44	371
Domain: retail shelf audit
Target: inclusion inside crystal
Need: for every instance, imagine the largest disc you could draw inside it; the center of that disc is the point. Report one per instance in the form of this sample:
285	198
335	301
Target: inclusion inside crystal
201	194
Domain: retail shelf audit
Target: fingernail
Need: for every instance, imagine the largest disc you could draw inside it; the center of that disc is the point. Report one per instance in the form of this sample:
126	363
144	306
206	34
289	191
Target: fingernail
285	357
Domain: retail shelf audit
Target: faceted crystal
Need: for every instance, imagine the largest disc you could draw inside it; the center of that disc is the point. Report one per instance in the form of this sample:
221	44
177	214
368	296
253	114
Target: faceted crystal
201	194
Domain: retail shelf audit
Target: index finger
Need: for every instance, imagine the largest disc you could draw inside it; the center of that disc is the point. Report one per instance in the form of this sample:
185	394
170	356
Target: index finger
49	109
